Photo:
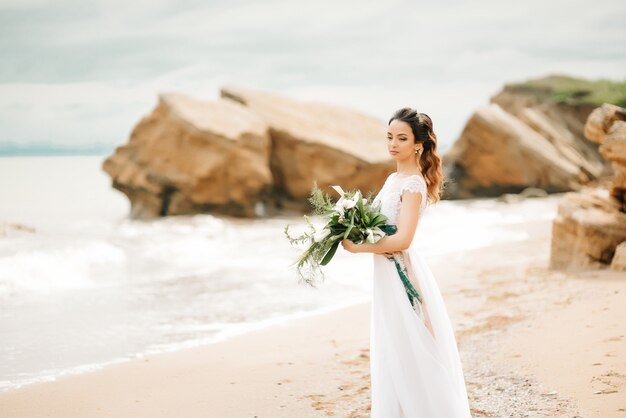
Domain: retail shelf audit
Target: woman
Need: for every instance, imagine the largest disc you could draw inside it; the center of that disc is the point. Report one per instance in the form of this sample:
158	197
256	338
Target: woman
414	361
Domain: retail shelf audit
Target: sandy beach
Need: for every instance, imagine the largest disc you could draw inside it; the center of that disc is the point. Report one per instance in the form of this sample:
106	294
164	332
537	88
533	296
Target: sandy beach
534	343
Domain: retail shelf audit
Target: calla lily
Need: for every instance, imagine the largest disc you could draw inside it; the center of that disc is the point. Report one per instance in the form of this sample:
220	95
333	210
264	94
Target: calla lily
339	190
348	203
343	202
374	235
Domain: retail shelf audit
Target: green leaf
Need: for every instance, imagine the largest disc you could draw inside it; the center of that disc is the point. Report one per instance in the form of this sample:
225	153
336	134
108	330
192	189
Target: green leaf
345	235
329	255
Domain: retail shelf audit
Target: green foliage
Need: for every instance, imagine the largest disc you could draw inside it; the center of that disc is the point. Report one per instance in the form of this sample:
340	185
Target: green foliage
320	201
572	91
352	217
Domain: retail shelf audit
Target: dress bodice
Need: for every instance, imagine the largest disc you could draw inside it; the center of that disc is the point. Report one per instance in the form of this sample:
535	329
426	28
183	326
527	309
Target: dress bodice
395	185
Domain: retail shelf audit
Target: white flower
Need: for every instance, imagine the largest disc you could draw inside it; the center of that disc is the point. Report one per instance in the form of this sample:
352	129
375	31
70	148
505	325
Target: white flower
344	204
348	203
339	190
374	235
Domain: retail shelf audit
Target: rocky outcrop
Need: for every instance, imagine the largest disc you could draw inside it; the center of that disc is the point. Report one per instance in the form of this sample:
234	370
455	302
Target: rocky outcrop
189	156
607	126
591	224
619	259
317	142
521	140
249	153
587	229
498	153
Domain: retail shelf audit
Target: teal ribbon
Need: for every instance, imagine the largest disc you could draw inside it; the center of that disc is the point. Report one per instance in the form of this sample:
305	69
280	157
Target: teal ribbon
390	229
408	286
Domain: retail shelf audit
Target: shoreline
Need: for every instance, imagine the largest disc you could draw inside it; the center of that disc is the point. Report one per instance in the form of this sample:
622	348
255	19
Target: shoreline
265	367
239	329
513	321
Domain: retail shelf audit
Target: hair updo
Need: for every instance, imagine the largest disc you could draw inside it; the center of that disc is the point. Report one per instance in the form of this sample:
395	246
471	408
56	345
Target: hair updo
429	160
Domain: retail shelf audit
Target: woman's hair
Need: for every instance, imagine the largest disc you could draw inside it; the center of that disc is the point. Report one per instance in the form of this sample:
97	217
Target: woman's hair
430	161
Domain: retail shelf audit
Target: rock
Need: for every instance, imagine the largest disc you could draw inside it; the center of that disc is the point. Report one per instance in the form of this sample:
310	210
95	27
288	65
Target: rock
590	225
317	142
600	121
5	228
533	192
607	126
614	150
619	259
524	138
249	153
586	230
510	198
526	193
498	153
189	156
558	126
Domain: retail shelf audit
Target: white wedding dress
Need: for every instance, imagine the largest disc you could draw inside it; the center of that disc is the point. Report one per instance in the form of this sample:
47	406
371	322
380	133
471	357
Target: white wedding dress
413	373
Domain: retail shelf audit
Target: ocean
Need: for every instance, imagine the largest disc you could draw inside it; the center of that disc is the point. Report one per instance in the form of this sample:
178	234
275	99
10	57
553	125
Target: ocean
83	286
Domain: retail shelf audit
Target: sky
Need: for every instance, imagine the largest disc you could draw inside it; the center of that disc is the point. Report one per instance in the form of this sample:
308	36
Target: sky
84	72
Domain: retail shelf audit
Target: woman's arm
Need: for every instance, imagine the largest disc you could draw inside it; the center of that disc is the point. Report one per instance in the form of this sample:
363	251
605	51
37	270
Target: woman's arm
401	240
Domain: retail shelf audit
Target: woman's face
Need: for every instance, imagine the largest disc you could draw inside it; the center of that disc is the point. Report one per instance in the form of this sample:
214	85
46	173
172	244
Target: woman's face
400	140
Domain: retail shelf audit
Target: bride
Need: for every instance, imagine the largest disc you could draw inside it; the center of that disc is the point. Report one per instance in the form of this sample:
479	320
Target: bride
414	361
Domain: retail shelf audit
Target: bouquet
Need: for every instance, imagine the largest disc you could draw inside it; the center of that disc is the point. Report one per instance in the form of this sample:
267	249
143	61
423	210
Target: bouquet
352	217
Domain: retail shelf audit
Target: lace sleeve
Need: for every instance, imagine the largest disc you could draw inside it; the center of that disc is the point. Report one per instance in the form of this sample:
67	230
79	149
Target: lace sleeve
414	184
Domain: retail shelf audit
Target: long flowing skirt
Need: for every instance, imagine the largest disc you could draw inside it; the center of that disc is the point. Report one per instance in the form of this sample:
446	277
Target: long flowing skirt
414	374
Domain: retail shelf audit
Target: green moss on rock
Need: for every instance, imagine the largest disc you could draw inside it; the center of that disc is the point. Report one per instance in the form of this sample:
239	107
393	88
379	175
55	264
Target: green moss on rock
573	91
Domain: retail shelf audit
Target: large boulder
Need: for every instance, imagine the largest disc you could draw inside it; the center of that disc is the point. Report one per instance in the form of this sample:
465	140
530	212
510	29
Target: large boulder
499	153
524	138
619	259
587	229
607	126
190	156
249	153
317	142
590	225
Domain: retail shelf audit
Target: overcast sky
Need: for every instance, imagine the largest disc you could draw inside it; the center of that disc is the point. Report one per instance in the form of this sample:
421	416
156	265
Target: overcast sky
81	72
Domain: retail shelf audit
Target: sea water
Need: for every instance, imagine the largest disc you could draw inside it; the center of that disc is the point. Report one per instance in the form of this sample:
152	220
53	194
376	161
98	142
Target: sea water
83	286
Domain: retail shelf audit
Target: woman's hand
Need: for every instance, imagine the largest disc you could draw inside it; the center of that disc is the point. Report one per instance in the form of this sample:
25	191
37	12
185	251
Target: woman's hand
350	246
354	248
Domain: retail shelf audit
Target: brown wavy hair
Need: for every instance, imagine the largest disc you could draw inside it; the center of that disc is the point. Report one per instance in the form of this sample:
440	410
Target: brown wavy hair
429	160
